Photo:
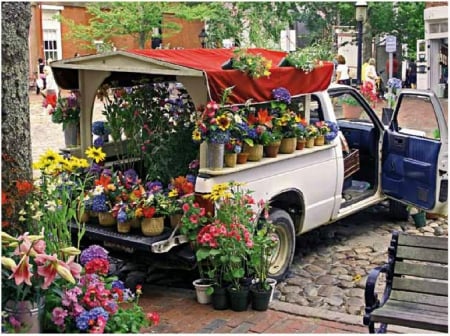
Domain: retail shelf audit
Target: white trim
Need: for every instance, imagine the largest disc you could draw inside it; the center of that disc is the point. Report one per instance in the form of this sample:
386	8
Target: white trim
52	7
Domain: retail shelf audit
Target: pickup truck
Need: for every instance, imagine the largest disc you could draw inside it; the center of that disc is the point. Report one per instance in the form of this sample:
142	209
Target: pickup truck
399	154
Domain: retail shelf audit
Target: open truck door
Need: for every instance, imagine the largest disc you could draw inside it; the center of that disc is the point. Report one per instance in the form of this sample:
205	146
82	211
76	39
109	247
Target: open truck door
415	152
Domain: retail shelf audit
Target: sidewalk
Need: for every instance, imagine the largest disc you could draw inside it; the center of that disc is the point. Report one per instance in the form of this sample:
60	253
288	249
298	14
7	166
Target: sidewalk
180	313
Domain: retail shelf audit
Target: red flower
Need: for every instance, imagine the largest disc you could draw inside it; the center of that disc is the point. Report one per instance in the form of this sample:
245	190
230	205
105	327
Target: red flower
24	187
97	266
148	212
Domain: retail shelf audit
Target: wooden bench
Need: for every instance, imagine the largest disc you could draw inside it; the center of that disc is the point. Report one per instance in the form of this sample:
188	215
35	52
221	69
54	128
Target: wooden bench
416	292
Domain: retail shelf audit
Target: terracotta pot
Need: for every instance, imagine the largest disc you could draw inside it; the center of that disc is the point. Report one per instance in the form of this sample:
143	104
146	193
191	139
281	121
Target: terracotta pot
230	159
255	152
272	149
300	144
351	111
319	140
288	145
242	158
309	143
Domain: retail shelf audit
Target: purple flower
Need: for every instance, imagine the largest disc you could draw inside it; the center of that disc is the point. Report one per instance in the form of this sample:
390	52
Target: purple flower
154	187
194	164
281	94
58	316
118	284
99	142
93	252
99	203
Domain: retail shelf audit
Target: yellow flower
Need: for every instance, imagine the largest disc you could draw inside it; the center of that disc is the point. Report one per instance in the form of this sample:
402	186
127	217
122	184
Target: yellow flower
196	135
64	272
9	263
95	154
173	193
70	251
223	122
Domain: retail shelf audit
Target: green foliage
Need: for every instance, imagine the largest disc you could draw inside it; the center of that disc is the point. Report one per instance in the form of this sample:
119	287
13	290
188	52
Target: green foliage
160	134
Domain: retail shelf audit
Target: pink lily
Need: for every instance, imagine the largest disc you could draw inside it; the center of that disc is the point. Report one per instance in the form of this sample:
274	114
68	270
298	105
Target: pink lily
22	272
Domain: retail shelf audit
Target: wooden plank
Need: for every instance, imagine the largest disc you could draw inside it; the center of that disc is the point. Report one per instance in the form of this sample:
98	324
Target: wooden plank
420	286
440	243
420	308
422	270
427	299
411	315
422	254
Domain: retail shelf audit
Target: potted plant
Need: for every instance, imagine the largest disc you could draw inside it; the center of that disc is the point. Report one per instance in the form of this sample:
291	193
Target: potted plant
178	188
307	59
254	65
102	131
153	207
271	140
300	133
311	132
351	109
262	252
322	131
67	113
232	148
418	216
258	124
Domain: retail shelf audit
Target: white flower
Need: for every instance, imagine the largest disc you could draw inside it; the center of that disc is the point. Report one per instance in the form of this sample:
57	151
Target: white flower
98	190
51	205
37	215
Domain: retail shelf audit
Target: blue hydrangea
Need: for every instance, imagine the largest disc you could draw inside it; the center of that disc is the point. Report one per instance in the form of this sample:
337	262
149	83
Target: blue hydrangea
281	94
99	142
219	137
122	215
93	252
100	128
118	284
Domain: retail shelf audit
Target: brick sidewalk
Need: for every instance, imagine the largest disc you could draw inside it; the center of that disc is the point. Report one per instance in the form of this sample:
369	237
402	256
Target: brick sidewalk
180	313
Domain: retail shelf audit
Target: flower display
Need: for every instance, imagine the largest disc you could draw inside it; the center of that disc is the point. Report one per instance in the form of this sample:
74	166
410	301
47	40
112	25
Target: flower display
98	303
254	65
258	124
308	58
67	110
29	271
285	120
369	92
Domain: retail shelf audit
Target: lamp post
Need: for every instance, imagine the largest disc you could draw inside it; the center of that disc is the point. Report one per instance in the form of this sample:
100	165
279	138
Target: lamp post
203	37
361	15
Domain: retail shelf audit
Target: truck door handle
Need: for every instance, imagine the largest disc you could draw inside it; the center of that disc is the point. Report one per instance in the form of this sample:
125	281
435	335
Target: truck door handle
398	141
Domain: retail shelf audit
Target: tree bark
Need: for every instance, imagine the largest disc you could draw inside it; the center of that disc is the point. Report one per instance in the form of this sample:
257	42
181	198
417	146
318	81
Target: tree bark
16	139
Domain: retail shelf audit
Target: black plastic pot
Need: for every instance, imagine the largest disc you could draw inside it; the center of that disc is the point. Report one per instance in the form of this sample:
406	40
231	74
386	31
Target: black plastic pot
260	297
219	298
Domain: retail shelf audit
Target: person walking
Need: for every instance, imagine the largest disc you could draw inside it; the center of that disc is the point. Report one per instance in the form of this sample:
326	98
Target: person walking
342	71
40	80
371	74
50	92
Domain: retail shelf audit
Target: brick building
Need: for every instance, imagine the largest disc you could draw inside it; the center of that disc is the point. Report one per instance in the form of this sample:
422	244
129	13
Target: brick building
48	36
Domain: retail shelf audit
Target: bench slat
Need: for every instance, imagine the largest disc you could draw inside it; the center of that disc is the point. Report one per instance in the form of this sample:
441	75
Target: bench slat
411	315
422	254
440	243
427	299
420	286
422	270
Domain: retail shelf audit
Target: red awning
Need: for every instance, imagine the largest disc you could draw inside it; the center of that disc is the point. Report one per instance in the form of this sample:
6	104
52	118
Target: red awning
210	61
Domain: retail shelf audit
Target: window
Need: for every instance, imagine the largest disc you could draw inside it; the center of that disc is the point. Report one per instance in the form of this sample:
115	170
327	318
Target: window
50	44
416	116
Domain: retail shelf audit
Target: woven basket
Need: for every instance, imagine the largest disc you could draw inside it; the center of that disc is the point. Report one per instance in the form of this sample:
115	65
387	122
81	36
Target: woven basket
124	227
106	219
152	226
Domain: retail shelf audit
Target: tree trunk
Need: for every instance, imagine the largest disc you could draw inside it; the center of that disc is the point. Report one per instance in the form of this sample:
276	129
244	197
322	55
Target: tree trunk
16	139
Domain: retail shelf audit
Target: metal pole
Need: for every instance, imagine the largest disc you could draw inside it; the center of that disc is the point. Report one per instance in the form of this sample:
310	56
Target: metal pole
359	64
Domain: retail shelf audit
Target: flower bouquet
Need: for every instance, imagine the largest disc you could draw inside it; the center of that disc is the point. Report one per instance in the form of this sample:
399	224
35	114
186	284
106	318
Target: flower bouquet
394	85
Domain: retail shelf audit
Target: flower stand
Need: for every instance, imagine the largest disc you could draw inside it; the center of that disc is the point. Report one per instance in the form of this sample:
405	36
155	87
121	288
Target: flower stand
29	314
152	226
288	145
215	155
230	159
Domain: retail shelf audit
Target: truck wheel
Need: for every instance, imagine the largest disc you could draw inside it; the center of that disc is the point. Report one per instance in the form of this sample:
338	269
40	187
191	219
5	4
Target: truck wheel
398	211
284	253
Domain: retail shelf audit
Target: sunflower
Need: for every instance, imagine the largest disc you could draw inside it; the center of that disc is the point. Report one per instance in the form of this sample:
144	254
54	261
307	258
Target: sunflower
223	122
95	154
196	135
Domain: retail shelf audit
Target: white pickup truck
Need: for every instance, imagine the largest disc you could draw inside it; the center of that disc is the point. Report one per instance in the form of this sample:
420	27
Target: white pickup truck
404	160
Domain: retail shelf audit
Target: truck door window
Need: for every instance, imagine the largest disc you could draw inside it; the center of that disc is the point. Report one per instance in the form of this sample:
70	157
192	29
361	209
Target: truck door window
348	107
416	117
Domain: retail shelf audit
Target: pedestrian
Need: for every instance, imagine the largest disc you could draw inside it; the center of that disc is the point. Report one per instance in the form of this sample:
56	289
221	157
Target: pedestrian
411	74
40	80
371	74
394	66
363	71
342	71
50	92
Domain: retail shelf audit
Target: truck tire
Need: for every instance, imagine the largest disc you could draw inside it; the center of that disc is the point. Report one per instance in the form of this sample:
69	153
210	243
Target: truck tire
398	211
284	253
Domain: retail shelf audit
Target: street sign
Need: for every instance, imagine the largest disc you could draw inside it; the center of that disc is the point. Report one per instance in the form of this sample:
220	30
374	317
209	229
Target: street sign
391	44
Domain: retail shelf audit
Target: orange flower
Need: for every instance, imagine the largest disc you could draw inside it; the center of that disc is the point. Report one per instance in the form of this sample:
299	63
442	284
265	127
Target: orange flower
103	181
263	118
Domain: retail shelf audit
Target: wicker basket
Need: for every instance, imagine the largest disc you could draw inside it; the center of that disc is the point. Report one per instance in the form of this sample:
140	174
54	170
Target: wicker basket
124	227
152	226
106	219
